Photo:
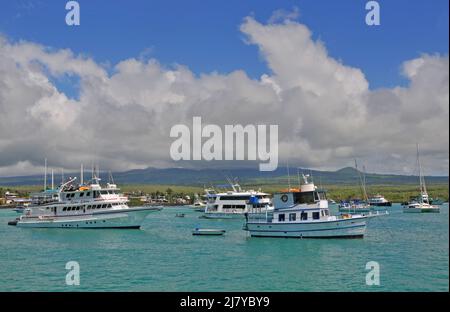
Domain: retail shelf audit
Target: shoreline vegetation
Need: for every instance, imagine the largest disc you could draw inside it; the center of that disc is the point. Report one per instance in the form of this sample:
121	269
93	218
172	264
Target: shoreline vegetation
394	193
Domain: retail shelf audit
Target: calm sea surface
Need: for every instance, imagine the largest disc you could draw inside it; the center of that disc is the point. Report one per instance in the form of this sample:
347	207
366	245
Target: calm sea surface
412	250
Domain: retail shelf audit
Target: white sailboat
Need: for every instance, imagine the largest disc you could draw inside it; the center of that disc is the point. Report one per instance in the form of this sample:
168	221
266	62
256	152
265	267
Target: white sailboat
422	204
357	206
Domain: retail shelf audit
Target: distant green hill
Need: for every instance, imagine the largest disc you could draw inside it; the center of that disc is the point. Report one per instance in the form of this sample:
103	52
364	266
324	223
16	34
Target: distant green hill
200	177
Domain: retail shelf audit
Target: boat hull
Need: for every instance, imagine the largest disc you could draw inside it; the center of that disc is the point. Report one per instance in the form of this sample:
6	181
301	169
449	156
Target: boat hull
421	210
344	228
385	204
131	218
354	210
222	215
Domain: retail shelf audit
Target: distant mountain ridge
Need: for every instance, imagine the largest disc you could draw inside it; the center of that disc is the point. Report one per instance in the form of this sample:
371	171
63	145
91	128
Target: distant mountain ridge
200	177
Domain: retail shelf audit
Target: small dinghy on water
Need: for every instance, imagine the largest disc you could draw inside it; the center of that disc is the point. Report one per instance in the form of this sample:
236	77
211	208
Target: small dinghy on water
199	231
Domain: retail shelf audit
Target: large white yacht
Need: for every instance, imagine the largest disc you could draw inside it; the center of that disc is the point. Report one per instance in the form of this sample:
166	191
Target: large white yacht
304	213
235	203
82	206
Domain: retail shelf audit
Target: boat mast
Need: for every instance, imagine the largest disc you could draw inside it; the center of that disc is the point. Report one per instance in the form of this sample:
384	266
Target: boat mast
45	175
363	187
81	175
53	184
423	188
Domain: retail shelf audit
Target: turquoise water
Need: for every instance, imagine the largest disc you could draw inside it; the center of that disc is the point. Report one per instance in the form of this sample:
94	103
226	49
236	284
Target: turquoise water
412	250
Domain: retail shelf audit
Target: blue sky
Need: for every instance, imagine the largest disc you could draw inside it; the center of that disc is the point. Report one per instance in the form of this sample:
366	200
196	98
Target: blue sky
205	36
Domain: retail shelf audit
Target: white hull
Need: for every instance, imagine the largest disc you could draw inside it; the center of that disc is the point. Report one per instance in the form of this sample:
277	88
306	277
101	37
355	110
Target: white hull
229	215
123	218
421	210
354	210
345	228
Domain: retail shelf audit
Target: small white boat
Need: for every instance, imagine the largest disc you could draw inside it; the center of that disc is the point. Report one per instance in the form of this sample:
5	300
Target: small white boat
199	231
199	204
379	201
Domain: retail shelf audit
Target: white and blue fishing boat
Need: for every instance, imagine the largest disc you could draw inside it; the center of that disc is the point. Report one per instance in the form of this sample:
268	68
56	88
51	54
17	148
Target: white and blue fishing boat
304	213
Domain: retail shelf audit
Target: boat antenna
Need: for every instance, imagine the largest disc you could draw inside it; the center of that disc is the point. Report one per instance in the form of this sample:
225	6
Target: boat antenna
298	177
81	175
53	184
62	175
110	178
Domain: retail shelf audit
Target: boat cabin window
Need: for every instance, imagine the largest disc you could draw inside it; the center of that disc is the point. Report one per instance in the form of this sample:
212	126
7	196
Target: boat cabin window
81	194
109	205
304	198
304	215
88	194
292	217
234	198
316	215
104	206
281	217
234	206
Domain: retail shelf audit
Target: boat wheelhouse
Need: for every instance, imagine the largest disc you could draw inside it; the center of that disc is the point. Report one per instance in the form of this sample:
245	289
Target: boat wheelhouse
304	213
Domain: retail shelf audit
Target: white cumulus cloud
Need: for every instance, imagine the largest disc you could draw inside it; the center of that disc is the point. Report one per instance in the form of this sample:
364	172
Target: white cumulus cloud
325	110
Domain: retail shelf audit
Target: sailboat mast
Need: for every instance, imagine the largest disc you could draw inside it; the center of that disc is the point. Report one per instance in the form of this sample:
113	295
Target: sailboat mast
45	175
423	188
81	174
